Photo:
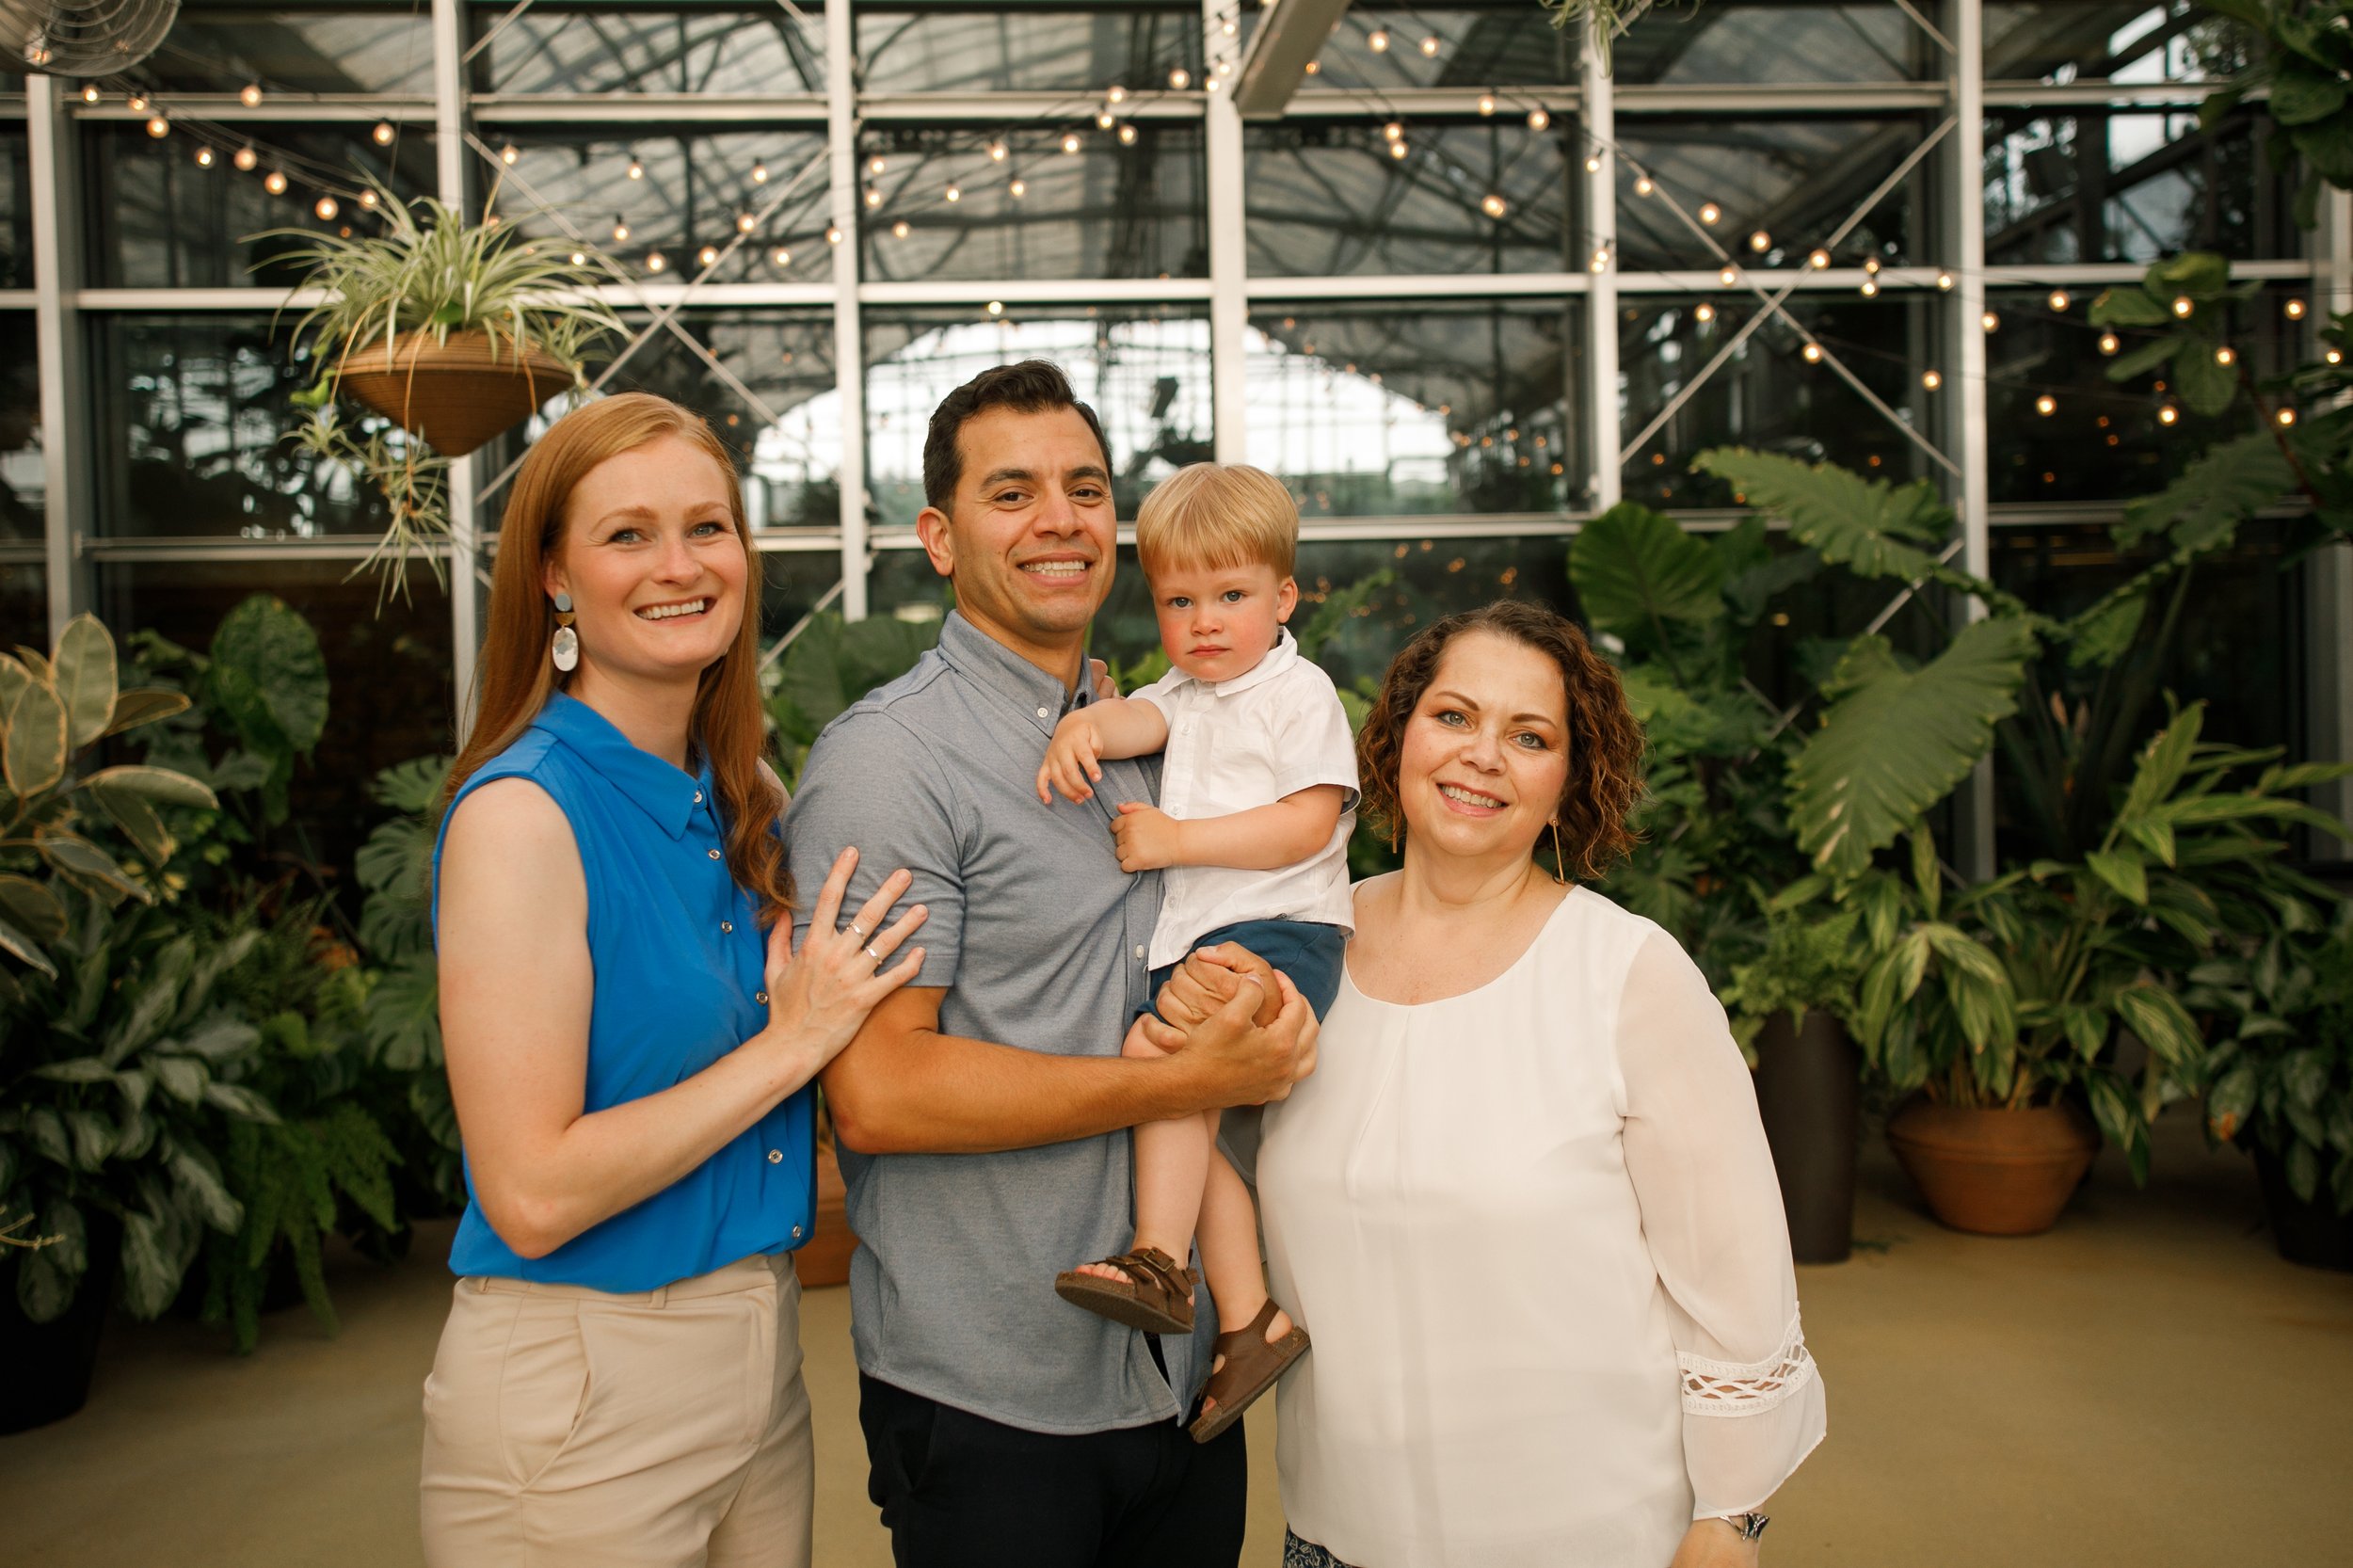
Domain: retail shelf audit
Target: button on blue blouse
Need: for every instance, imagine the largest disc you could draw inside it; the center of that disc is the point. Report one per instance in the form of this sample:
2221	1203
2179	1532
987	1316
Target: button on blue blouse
677	954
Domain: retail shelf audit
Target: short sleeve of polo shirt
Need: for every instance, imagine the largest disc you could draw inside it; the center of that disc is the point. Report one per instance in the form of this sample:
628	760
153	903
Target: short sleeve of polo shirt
1310	740
873	784
1160	693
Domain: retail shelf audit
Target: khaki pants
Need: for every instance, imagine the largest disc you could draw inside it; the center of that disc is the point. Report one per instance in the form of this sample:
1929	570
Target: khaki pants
574	1427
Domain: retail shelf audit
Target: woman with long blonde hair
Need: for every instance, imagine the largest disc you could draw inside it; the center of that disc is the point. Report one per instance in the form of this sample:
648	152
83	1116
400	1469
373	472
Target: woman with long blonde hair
631	1030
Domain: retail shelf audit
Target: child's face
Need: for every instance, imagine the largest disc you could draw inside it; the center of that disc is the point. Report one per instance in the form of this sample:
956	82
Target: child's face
1217	622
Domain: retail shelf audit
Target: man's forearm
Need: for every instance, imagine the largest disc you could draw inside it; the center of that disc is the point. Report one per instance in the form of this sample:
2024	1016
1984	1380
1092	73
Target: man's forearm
922	1092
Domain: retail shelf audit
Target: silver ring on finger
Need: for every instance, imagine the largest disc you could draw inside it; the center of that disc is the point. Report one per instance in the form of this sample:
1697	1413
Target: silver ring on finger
859	930
869	951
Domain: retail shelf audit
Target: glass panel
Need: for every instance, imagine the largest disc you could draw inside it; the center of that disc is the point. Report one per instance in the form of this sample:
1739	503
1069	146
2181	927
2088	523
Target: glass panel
1108	210
1794	180
2102	442
16	208
388	667
1329	198
1144	369
1767	395
192	415
162	220
2134	41
23	493
973	49
573	49
23	601
2103	185
1476	46
226	48
1773	44
690	195
1432	406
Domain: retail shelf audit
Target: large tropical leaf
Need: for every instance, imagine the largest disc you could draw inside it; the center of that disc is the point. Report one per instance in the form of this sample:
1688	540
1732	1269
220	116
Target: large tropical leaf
2231	483
85	667
1636	570
1868	526
269	673
1897	739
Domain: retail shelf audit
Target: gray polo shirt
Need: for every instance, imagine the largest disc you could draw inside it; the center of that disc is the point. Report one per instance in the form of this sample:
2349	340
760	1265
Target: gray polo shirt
1040	940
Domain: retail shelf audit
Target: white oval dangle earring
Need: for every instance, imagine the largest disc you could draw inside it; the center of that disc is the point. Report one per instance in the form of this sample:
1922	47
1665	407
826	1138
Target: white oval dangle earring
566	649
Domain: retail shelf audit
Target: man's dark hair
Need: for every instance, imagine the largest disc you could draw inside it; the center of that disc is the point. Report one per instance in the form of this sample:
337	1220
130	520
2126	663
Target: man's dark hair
1032	387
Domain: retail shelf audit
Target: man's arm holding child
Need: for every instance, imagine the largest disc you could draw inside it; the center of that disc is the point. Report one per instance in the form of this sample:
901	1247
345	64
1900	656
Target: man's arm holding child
1262	839
1109	730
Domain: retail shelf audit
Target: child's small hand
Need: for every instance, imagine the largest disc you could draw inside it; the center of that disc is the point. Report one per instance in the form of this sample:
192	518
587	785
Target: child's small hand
1146	836
1071	764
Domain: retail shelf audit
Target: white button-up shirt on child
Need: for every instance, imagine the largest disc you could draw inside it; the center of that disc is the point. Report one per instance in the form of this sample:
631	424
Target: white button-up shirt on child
1274	730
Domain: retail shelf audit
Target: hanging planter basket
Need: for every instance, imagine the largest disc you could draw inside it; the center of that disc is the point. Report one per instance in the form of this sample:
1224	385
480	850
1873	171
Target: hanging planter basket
455	395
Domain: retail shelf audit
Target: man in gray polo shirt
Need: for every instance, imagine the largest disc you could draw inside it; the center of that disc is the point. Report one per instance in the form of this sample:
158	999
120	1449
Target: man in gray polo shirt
982	1111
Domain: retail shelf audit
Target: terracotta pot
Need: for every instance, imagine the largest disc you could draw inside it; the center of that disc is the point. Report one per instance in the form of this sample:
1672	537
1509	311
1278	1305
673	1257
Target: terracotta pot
1808	1078
826	1260
1994	1173
456	394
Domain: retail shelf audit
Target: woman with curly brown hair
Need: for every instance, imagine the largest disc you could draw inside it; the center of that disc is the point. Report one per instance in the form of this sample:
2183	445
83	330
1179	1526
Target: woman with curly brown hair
1525	1203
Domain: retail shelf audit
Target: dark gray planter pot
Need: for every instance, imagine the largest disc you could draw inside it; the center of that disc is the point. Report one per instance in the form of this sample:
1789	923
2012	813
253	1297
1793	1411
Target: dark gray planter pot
1808	1090
2307	1231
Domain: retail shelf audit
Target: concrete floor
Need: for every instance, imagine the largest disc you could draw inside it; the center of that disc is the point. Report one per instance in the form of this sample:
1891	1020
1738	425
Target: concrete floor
2149	1385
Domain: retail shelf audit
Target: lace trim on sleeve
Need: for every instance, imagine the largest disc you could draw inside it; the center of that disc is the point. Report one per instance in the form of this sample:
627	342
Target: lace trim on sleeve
1730	1388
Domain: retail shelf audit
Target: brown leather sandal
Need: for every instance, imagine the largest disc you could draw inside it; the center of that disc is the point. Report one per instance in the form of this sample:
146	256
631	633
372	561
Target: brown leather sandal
1252	1366
1156	1297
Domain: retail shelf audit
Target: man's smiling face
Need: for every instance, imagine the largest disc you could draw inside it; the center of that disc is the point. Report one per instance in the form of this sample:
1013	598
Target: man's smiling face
1030	537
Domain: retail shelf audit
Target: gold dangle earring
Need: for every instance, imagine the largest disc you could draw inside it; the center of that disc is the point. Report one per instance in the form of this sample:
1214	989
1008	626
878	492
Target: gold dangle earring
1559	865
566	649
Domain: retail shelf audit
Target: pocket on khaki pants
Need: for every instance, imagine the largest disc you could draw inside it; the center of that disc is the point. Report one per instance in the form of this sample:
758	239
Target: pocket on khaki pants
546	1381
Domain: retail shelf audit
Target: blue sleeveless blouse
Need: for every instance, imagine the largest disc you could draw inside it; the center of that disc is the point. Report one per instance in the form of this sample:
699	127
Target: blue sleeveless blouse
678	957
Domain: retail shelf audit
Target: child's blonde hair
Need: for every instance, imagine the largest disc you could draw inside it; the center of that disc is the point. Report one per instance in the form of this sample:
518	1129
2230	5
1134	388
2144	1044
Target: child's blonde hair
1218	516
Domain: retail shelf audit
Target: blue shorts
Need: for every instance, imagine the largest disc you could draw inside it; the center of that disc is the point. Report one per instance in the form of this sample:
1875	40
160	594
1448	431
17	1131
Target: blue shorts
1312	953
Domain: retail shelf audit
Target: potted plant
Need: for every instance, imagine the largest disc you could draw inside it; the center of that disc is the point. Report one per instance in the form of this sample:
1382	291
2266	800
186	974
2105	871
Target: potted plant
453	332
1790	1008
2281	1072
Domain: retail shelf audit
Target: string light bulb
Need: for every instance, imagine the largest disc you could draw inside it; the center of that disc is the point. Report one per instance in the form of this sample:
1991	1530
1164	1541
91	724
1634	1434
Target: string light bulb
508	154
1071	142
1871	266
90	94
899	230
136	103
1989	321
1430	46
1105	120
1379	40
1931	380
1538	119
2058	301
745	223
708	256
2224	357
580	258
1127	135
274	183
158	127
996	152
1642	185
1600	262
325	208
996	307
2046	405
1817	260
1179	79
635	170
656	261
1728	276
1486	102
1760	242
1945	281
1710	213
1592	163
2166	414
873	196
1492	204
245	158
878	164
760	175
2182	305
2293	310
1397	150
2333	357
1870	289
1813	353
2285	418
955	194
250	95
781	257
1393	131
383	134
620	233
2109	343
1704	313
833	233
1017	190
1116	94
203	157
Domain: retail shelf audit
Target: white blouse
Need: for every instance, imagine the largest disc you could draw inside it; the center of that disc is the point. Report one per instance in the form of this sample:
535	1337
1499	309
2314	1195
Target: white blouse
1535	1234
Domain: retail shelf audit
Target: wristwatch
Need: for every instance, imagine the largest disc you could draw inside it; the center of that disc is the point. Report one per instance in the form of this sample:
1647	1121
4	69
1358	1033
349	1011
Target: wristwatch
1751	1525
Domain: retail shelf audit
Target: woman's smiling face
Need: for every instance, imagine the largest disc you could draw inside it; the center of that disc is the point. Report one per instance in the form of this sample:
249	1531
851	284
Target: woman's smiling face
1485	755
655	562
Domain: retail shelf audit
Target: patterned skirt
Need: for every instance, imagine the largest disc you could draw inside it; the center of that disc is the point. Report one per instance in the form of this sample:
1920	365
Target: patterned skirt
1306	1554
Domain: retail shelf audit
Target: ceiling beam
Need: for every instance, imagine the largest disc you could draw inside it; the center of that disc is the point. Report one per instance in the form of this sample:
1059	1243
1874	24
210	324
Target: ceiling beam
1288	35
